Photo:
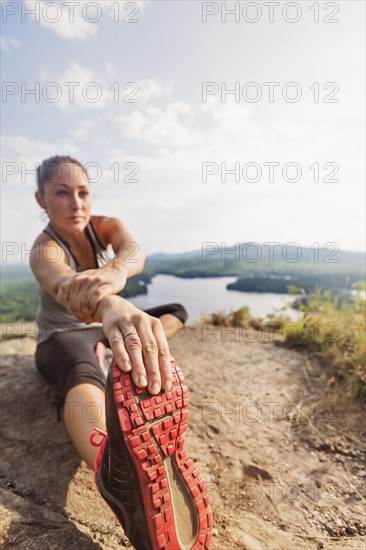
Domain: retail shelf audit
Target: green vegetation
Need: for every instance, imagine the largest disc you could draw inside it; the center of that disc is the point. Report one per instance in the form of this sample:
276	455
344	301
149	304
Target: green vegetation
332	329
19	294
283	285
18	300
136	285
239	317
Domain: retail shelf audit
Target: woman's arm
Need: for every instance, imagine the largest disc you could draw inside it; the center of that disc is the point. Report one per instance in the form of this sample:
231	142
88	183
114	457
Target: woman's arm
129	254
137	340
49	265
84	290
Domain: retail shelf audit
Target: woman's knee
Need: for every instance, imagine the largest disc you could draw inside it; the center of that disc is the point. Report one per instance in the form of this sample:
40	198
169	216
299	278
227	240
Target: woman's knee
178	310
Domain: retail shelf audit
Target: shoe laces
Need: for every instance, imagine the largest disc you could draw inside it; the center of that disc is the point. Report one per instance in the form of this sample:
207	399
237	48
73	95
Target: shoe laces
97	432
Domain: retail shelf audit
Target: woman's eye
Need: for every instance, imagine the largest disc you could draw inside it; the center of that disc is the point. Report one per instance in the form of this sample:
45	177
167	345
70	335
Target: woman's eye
84	194
61	193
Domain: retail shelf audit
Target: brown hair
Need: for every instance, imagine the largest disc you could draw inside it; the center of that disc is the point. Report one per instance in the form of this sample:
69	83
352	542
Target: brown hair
49	169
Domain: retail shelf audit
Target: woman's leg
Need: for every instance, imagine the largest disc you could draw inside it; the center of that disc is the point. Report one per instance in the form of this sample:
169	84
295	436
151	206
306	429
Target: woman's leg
171	324
68	361
84	407
84	410
172	317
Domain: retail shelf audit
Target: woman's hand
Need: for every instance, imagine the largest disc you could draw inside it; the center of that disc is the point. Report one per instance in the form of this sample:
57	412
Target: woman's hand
83	291
138	343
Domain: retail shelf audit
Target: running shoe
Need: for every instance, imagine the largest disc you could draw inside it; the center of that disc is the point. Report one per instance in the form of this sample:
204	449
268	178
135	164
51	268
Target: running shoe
142	470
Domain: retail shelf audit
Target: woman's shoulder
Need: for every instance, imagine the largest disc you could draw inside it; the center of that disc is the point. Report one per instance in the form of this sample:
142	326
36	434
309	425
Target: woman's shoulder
102	226
98	222
45	247
101	221
43	239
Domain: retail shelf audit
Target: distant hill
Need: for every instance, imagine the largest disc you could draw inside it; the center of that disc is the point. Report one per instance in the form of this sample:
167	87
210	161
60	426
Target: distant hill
245	259
222	262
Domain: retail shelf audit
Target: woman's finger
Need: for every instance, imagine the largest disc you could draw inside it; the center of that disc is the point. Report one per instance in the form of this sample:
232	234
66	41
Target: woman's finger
65	288
133	345
142	337
96	293
115	339
81	282
79	286
74	289
164	356
150	353
80	296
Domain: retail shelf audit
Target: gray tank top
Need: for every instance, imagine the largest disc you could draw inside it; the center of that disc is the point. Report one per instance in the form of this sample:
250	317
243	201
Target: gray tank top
51	316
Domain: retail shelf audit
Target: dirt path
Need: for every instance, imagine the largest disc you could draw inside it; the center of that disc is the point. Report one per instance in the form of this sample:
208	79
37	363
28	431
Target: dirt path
283	471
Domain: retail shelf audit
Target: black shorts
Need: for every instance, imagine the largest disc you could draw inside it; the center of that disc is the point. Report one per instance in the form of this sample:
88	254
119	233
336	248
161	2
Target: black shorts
68	358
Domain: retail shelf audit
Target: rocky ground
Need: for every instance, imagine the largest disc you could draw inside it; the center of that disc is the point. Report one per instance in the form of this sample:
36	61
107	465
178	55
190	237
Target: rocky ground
284	462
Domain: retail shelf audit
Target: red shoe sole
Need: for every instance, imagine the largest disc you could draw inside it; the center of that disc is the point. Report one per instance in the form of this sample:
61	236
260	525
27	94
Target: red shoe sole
153	428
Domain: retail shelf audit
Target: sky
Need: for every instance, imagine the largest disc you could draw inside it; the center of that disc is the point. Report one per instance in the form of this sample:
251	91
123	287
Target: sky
197	125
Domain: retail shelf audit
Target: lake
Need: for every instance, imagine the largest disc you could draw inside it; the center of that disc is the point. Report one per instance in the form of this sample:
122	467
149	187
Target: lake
204	296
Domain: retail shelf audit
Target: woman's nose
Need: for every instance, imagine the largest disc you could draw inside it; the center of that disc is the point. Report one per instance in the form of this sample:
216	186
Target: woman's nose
76	202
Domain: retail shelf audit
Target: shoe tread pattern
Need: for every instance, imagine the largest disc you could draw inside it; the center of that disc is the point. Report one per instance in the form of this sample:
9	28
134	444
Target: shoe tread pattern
150	441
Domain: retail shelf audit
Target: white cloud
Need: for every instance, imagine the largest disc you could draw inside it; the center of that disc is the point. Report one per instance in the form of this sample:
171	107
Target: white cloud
67	21
8	43
80	20
78	86
84	130
168	127
169	136
178	137
232	118
125	10
223	131
85	88
152	87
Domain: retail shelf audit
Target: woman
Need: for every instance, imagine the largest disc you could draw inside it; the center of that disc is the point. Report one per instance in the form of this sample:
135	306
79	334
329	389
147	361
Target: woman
78	308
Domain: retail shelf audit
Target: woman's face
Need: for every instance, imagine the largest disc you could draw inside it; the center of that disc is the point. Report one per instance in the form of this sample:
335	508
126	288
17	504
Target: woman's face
67	198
